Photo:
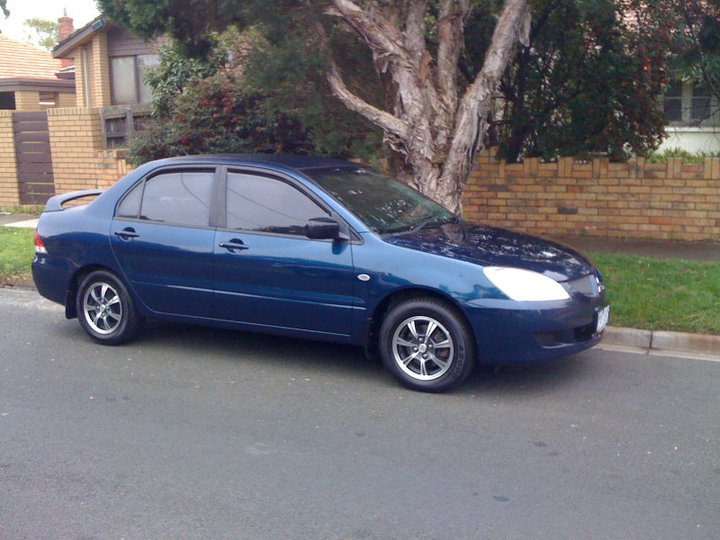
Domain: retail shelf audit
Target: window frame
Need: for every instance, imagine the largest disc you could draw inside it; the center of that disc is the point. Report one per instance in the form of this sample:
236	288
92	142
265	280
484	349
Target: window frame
142	182
292	182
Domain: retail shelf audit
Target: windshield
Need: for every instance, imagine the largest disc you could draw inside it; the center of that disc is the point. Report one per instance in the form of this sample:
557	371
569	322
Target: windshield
384	204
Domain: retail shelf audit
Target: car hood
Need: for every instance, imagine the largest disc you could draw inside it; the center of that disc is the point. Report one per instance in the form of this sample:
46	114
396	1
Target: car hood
490	246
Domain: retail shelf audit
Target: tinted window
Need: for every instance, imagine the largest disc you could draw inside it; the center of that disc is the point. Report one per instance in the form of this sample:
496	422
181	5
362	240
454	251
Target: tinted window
264	204
130	205
181	198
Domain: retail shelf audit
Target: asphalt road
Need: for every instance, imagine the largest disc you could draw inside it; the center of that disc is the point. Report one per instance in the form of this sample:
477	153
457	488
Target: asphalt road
199	433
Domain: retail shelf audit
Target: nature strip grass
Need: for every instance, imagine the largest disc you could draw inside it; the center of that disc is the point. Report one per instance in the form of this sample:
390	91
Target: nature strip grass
657	294
17	248
646	293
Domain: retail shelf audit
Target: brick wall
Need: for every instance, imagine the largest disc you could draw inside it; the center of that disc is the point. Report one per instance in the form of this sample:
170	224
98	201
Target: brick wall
75	140
668	201
27	101
66	99
9	195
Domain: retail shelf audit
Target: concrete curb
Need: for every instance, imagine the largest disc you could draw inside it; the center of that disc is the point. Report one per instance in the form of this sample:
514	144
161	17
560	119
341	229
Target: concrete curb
657	340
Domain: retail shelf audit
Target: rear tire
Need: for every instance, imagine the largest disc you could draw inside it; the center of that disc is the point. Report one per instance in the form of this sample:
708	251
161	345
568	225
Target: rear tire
105	310
427	345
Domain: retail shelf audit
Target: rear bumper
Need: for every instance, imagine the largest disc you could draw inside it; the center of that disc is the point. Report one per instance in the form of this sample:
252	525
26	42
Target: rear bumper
52	277
510	333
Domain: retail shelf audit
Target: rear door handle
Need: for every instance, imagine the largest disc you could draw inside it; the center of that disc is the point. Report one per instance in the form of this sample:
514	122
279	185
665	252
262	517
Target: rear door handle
127	234
233	245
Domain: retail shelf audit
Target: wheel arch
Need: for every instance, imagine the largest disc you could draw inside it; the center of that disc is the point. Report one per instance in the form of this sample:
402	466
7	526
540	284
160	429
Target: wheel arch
74	285
396	297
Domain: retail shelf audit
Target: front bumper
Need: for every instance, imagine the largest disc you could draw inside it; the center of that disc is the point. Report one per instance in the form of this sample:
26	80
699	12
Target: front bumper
508	332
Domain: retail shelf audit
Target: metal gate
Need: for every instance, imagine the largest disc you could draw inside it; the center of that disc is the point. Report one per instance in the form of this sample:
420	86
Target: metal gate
34	160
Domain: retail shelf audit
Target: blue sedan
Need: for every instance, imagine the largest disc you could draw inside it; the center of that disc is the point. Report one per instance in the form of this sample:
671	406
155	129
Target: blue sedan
315	248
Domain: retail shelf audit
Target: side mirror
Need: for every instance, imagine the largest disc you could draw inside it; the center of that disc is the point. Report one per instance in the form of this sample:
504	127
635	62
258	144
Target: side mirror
323	228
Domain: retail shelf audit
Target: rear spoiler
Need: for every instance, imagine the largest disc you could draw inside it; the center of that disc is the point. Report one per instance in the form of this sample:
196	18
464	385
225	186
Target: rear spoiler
55	204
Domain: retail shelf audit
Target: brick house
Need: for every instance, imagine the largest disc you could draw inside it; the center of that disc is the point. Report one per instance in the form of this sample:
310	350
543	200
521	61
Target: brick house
110	66
31	79
77	142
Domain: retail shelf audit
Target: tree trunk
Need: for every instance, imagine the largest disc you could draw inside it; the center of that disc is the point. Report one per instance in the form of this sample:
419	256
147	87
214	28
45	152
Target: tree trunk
436	125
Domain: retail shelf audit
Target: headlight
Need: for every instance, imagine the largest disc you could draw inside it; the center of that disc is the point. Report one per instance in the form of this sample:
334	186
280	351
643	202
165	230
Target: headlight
524	285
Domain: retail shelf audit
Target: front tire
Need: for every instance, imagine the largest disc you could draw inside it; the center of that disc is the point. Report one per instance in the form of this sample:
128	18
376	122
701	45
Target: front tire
105	310
427	345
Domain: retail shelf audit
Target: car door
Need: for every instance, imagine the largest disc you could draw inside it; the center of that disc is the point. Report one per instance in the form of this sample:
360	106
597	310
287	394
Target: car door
267	272
163	240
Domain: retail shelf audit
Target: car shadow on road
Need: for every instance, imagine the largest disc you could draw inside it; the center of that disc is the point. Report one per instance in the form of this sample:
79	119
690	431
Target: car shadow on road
351	361
264	350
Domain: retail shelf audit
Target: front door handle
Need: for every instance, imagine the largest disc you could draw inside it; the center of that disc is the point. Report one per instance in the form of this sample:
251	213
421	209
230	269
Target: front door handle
233	245
127	234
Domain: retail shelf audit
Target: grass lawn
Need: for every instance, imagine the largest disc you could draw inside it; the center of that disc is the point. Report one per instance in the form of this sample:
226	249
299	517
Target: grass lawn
645	293
655	294
17	248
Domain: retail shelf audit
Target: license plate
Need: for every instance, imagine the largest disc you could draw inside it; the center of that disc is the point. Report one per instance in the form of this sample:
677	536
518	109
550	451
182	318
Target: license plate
603	318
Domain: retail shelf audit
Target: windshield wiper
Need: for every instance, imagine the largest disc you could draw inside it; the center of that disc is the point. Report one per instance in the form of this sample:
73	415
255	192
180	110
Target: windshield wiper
434	222
429	223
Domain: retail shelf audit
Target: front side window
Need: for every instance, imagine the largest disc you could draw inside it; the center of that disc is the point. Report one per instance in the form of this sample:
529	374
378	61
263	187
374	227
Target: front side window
259	203
178	198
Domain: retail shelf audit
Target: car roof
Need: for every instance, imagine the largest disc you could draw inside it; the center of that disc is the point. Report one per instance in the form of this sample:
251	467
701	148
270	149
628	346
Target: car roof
299	163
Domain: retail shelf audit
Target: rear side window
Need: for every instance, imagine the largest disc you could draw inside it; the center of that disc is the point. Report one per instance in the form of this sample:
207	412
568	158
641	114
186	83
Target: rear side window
259	203
178	198
130	205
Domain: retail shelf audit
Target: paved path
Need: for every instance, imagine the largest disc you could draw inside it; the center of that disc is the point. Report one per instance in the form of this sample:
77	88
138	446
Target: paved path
198	433
700	251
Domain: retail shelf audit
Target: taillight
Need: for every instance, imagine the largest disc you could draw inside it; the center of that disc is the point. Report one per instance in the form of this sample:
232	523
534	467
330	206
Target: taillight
39	245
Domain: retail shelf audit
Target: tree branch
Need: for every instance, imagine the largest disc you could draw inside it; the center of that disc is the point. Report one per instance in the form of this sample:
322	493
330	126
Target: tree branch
512	27
381	35
389	123
415	30
451	23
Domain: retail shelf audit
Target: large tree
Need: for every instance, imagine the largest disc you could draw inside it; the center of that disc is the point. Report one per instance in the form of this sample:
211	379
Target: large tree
430	116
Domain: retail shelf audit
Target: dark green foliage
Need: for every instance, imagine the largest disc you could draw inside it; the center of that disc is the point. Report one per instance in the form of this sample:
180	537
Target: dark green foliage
191	22
588	83
176	71
273	104
217	115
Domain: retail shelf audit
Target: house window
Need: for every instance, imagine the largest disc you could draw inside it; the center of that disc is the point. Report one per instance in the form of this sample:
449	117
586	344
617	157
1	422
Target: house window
700	109
7	101
48	99
687	104
127	74
673	102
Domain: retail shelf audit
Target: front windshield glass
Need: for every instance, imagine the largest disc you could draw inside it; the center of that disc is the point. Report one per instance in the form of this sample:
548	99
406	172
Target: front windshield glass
384	204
